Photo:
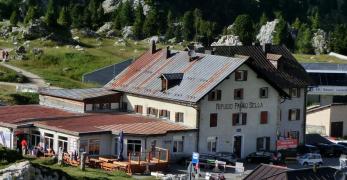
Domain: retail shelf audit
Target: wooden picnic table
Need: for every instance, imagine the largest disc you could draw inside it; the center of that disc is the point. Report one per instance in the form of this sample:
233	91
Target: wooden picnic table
94	163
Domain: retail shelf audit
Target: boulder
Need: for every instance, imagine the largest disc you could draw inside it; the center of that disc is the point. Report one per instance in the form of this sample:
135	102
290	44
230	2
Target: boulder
20	50
109	5
5	31
88	33
111	33
265	35
320	42
36	29
228	40
127	32
37	51
105	28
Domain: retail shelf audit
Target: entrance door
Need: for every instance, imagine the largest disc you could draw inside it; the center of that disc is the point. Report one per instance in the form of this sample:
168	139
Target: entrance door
238	146
336	129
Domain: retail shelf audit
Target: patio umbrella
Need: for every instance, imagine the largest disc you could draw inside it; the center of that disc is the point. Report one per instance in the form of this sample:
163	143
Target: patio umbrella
121	143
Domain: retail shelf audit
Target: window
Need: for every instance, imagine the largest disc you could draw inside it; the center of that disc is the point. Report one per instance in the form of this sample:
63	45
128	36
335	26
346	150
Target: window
49	141
294	92
213	119
178	144
212	144
263	117
83	146
94	146
165	114
294	114
164	84
102	106
152	111
239	119
263	144
138	109
179	117
62	142
134	146
264	92
35	138
238	93
215	95
241	75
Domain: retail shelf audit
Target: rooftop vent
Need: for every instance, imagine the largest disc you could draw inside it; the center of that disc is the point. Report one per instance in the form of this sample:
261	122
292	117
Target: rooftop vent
167	52
169	80
266	47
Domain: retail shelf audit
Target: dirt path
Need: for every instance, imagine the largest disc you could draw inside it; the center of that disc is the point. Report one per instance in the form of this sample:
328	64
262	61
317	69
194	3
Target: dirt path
34	79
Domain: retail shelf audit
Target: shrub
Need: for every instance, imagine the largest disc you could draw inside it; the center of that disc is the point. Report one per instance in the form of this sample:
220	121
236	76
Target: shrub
9	156
25	98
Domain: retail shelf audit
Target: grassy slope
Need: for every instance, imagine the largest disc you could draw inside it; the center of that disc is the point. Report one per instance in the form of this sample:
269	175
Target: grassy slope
5	92
99	54
305	58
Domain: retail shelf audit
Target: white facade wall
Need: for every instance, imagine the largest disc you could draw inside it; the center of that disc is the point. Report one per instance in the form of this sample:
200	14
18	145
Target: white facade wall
225	131
6	137
297	125
319	118
190	113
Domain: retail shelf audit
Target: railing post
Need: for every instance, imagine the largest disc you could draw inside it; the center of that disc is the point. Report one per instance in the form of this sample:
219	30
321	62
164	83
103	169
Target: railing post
159	156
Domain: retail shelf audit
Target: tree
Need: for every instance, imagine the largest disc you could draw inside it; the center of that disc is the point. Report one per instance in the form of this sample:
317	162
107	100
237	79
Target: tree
64	17
86	17
14	18
338	42
92	8
188	26
116	16
243	27
32	13
51	15
281	32
296	24
315	21
76	16
126	14
304	40
139	20
170	31
343	8
197	23
263	20
150	26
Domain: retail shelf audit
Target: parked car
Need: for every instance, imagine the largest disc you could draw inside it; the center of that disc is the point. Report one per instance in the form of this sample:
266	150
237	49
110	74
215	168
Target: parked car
206	158
343	144
307	148
260	157
332	149
228	157
310	159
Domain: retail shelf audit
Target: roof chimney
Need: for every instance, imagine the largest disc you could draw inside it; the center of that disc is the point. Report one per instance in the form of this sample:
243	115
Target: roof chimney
153	47
192	55
266	47
167	52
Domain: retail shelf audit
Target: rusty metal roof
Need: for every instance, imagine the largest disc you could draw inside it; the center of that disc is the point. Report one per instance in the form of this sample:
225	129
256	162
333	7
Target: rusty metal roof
289	74
199	76
78	94
129	123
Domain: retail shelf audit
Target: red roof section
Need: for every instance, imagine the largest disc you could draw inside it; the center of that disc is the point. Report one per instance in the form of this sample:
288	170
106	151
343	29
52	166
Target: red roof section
129	123
16	114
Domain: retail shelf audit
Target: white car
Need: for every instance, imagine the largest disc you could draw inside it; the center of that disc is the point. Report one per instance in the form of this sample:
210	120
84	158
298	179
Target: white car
310	159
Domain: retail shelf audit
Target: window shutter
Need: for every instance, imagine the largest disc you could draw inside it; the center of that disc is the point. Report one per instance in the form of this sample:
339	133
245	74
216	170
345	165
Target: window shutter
168	114
289	114
241	93
298	114
235	118
235	93
176	117
259	144
298	92
219	94
245	75
210	96
263	117
237	75
244	118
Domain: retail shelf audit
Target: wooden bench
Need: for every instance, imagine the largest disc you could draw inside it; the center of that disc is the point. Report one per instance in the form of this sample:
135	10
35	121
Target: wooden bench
109	166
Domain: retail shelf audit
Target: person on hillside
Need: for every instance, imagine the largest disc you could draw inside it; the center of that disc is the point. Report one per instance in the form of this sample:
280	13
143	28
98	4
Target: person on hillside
7	56
24	144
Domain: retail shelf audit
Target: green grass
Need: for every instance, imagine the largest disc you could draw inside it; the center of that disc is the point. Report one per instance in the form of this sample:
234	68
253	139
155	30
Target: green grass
76	173
9	96
8	75
306	58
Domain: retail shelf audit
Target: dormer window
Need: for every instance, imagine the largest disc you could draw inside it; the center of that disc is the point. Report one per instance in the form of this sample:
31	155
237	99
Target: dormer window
170	80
